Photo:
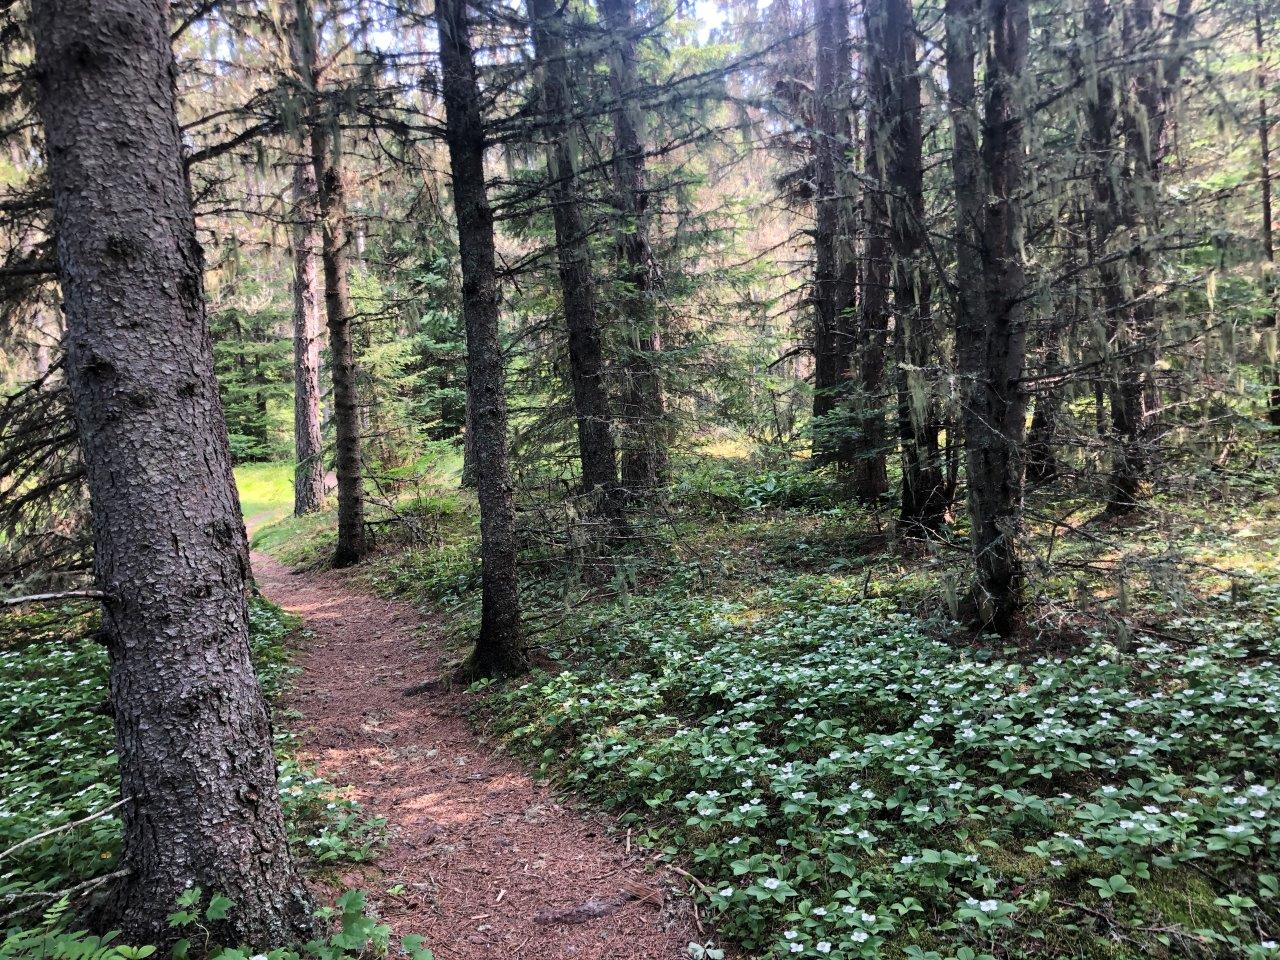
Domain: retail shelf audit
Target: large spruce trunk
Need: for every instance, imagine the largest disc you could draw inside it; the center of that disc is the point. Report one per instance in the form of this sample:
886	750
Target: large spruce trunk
498	650
645	460
308	446
193	735
990	277
596	447
335	239
835	258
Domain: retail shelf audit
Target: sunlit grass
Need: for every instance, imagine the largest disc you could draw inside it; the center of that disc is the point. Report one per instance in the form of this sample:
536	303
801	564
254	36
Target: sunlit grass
266	492
304	542
425	488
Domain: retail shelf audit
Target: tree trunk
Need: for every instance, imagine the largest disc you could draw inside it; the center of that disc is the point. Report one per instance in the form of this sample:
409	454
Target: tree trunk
1110	212
1128	318
1269	365
192	731
645	463
864	443
1042	439
1135	345
1054	390
895	109
835	260
308	445
573	254
497	651
1042	461
325	137
990	332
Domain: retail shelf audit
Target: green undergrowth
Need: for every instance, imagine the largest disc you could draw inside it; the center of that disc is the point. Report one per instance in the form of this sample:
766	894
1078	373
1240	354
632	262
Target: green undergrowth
429	556
58	763
416	499
266	502
846	782
434	522
302	543
266	491
773	693
348	932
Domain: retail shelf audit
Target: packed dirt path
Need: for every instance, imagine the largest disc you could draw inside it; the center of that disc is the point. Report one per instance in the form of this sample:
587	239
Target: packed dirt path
493	867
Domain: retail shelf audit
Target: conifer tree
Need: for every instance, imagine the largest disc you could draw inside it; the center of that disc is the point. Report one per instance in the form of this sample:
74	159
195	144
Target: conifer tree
987	164
597	449
645	457
835	256
498	648
193	736
309	472
325	141
894	114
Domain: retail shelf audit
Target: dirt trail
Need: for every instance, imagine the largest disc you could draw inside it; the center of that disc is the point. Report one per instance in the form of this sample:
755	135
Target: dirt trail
493	867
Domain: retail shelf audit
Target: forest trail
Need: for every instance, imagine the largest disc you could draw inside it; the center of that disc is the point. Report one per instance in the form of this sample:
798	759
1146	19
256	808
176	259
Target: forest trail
493	868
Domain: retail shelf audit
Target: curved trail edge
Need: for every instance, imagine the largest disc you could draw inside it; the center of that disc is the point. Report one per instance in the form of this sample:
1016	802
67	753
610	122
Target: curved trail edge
492	866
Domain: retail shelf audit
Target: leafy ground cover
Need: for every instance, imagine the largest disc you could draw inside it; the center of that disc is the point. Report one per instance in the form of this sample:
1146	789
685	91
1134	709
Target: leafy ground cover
57	761
774	695
846	783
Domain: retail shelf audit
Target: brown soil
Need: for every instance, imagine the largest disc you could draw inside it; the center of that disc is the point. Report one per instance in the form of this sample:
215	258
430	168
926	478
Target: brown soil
493	866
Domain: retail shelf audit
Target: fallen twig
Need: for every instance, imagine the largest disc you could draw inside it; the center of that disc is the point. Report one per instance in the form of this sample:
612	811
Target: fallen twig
66	826
41	897
53	597
685	873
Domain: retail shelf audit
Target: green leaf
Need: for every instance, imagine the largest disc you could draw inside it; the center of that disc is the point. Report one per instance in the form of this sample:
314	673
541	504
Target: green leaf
219	907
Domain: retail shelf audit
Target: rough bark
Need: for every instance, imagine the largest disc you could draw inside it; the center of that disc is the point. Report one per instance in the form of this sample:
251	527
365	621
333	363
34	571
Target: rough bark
468	478
596	447
498	650
835	259
335	235
645	460
193	734
990	331
308	445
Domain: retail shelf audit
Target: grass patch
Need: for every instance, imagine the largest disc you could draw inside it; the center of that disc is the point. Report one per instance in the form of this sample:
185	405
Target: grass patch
427	508
302	543
266	492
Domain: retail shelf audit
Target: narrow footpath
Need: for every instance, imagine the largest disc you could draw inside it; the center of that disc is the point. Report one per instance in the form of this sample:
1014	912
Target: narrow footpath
492	866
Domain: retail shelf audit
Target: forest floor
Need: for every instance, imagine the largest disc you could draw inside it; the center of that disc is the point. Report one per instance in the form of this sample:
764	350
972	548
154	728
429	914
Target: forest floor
770	690
480	860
